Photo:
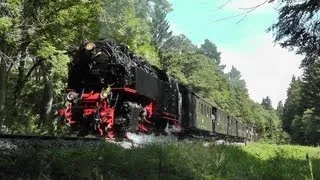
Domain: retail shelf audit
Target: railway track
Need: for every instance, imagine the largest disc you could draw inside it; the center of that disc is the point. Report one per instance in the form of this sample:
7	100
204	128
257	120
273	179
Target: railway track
34	137
11	142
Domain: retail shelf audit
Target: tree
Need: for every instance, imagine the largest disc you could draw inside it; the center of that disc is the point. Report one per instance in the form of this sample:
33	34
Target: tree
160	26
163	4
310	90
234	77
38	34
125	22
301	113
266	103
180	44
128	22
310	98
297	128
279	108
298	26
210	50
173	48
292	105
297	29
311	127
9	42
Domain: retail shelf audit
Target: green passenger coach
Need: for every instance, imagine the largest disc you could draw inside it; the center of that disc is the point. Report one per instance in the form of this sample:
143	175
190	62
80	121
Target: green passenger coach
204	119
221	122
203	111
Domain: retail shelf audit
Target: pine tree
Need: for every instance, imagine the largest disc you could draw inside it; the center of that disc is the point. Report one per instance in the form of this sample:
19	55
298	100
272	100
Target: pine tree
160	26
292	105
298	26
279	108
311	87
210	50
266	103
234	77
310	94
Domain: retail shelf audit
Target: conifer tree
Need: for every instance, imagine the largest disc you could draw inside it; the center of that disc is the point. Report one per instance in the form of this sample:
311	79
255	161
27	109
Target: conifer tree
298	28
266	103
292	105
160	26
279	108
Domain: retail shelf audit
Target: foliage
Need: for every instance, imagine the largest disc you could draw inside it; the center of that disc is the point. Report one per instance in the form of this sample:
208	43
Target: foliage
125	22
301	114
279	108
292	103
266	103
41	37
179	160
234	77
179	44
160	26
210	50
297	27
197	69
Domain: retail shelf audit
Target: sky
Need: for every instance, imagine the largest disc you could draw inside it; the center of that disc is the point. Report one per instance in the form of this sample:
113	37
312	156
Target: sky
243	42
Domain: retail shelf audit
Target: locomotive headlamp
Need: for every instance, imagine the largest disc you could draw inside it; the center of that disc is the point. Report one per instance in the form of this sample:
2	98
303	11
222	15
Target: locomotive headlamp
90	46
105	92
72	95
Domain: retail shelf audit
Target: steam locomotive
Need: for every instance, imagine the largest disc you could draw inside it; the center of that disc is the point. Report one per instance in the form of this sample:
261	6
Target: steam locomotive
111	92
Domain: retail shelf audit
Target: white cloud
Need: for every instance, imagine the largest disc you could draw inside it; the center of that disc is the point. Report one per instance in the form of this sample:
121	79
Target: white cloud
267	68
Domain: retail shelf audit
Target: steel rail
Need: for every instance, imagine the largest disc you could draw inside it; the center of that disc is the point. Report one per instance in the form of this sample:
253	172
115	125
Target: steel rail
37	137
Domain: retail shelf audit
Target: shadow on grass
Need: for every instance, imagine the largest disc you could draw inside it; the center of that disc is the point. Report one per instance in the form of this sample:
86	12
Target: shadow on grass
157	161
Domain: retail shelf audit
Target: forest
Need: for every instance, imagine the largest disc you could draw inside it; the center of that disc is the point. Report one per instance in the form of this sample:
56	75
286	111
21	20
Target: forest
35	37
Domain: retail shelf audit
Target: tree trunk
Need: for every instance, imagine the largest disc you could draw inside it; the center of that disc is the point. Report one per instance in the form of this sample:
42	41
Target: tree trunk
22	54
47	101
3	89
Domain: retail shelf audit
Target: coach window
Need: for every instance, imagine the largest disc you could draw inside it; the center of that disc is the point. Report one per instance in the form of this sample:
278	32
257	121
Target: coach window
201	108
206	109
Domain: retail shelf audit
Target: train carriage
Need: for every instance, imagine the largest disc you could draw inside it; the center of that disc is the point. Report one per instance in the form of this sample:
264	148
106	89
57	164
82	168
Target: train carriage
241	129
203	109
221	122
232	126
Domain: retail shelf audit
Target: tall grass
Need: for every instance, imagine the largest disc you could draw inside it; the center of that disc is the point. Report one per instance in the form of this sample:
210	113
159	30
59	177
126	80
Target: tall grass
163	161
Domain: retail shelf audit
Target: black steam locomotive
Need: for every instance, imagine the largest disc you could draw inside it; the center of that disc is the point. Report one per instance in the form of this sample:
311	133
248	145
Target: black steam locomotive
111	91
